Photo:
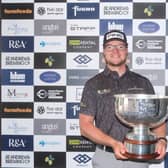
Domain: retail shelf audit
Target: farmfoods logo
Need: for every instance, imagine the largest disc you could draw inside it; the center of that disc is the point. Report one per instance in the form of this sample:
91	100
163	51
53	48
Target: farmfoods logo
17	11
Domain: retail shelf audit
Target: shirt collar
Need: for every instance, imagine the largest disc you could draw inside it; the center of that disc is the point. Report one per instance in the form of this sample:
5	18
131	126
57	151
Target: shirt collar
114	74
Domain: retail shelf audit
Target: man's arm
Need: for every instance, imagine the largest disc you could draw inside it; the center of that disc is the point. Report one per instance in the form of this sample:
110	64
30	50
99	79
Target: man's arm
161	145
89	130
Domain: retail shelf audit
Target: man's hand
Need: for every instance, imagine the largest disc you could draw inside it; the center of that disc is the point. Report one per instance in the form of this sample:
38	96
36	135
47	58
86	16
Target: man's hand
161	146
119	150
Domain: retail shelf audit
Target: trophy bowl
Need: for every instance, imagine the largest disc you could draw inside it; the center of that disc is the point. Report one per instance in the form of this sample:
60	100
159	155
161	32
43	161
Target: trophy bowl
142	112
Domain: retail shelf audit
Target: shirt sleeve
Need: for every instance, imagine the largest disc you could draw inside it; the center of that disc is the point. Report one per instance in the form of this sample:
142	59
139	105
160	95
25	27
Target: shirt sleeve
88	102
149	87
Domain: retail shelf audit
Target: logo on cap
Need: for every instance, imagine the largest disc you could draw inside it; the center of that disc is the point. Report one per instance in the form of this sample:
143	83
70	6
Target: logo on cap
115	35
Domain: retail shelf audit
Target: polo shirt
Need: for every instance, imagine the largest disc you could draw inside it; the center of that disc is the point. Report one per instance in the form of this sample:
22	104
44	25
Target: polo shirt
98	98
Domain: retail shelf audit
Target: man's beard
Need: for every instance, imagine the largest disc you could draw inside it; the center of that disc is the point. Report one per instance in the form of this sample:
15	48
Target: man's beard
118	64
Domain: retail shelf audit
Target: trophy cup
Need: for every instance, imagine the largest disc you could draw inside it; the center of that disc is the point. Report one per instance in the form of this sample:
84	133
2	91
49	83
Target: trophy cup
142	112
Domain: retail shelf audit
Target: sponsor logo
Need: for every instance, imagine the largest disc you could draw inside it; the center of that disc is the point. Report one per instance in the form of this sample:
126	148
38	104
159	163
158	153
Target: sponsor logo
79	77
49	127
50	77
50	11
82	59
50	27
117	10
17	77
17	93
17	126
12	60
44	43
43	143
17	143
49	143
17	27
17	159
17	11
83	44
17	108
50	43
50	110
122	25
149	27
83	27
148	60
82	158
50	60
73	110
79	143
49	159
74	93
149	10
148	44
83	11
52	93
18	44
72	126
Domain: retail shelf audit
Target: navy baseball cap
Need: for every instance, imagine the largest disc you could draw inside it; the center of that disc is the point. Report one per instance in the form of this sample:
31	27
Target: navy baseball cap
115	35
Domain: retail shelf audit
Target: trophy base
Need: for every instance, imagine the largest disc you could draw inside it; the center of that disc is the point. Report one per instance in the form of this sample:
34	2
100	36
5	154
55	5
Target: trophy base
141	157
140	149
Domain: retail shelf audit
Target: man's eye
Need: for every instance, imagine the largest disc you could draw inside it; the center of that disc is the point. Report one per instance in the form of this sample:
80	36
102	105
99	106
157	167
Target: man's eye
121	47
110	47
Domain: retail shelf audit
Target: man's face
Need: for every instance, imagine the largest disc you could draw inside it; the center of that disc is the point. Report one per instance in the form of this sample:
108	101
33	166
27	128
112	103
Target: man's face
115	53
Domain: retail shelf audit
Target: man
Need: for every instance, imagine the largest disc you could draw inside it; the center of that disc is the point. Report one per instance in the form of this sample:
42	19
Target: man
97	119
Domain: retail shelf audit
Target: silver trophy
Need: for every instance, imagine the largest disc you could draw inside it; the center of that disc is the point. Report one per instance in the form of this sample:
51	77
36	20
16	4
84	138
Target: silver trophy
142	112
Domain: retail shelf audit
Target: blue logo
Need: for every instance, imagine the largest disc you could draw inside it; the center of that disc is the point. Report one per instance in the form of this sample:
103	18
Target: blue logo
17	77
82	59
120	24
149	27
17	143
50	77
42	44
73	110
82	159
83	11
43	143
18	44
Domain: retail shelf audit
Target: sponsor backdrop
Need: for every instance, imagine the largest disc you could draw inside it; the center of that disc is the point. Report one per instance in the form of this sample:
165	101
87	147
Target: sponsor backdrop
49	48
